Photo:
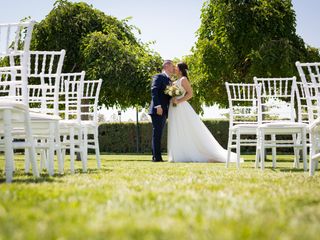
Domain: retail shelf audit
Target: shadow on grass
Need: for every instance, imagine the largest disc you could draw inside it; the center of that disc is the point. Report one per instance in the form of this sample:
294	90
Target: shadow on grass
292	170
270	160
129	160
21	177
284	169
42	179
89	171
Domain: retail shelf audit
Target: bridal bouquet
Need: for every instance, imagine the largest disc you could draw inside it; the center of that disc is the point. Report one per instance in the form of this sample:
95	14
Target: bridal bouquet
173	91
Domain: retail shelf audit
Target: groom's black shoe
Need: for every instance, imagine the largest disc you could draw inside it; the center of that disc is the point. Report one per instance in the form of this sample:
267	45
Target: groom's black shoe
157	160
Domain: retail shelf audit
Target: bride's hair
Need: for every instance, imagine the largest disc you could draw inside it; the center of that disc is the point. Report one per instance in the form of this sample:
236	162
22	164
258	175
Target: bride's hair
183	67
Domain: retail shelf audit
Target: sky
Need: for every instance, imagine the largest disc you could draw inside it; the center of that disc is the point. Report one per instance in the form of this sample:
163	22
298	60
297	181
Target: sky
171	23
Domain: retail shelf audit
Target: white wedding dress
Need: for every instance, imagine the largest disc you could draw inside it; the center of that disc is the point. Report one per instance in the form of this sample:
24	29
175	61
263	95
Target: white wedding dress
189	140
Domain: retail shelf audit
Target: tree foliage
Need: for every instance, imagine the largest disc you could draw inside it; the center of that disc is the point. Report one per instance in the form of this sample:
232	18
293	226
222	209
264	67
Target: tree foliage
104	47
240	39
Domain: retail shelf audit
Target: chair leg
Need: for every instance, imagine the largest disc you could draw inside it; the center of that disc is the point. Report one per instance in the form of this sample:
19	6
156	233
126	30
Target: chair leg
311	167
238	149
257	159
27	161
296	140
312	152
304	149
84	147
8	148
229	148
72	155
60	160
83	150
97	149
274	150
63	151
51	149
43	156
258	150
58	149
32	151
262	150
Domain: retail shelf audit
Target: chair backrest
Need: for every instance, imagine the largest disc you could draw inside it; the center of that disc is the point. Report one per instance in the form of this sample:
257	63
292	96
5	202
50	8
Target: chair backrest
10	88
15	41
312	92
315	78
17	64
305	69
277	99
243	105
44	69
89	100
70	94
15	37
12	85
302	104
37	95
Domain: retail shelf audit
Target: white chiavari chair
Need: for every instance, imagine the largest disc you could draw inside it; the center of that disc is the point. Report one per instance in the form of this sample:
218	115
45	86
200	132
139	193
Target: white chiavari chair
89	116
44	69
243	117
278	118
15	124
15	41
312	91
70	93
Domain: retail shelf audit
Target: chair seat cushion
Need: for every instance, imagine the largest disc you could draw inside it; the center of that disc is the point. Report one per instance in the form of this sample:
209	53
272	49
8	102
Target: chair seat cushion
283	125
41	116
251	126
9	104
65	123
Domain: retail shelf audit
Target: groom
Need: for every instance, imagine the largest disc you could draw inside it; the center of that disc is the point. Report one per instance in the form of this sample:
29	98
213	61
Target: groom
159	107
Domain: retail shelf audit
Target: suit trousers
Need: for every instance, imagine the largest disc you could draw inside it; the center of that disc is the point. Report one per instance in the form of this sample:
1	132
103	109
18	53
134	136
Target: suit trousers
158	123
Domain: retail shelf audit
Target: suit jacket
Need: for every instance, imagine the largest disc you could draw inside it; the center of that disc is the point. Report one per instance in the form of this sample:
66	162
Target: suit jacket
158	97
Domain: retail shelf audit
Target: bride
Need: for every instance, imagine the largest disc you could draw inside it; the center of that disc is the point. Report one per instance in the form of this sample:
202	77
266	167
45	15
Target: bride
189	140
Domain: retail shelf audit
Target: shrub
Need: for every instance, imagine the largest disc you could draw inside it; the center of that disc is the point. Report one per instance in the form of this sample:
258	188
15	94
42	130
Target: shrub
122	137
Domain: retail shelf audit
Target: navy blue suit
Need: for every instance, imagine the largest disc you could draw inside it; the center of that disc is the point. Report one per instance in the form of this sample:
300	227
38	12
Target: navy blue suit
159	83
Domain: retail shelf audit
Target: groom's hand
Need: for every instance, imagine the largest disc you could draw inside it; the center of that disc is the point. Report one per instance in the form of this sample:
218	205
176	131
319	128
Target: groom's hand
159	111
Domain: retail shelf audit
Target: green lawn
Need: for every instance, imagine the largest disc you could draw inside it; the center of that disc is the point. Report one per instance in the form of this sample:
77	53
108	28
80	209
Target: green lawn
133	198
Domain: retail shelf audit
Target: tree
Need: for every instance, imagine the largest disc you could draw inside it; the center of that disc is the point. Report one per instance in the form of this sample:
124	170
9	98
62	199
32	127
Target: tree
104	47
240	39
126	69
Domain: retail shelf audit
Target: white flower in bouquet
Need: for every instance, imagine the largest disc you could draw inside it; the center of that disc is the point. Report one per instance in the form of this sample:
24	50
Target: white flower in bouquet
173	91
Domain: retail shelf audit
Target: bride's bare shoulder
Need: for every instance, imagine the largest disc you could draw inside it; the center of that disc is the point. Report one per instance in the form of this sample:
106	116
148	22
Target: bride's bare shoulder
183	79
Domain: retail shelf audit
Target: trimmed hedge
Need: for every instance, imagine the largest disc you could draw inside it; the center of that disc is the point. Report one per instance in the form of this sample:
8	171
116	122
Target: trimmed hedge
122	137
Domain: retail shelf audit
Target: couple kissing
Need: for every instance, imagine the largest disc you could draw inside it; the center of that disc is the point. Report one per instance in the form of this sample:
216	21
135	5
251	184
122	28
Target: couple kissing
189	140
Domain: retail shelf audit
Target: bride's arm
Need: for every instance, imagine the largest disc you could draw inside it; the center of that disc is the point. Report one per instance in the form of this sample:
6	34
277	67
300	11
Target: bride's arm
187	86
